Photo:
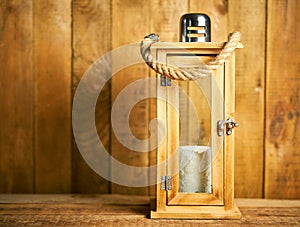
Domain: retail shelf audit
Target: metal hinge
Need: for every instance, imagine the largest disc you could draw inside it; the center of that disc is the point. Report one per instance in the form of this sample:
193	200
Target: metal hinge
164	81
166	183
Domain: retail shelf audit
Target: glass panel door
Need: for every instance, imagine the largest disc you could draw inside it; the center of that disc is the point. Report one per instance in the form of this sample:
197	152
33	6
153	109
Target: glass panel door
195	174
199	179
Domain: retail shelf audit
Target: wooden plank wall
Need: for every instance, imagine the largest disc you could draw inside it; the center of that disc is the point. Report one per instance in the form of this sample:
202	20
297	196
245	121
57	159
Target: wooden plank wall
282	101
46	46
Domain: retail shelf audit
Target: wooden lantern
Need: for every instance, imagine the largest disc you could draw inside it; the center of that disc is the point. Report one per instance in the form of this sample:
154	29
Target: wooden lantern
203	186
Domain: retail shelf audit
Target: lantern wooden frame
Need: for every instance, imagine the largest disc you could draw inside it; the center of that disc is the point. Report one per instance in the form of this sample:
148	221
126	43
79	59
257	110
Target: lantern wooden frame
220	203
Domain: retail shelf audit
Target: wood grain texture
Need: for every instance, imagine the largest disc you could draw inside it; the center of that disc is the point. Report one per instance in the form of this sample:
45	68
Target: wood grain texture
217	10
130	23
52	58
36	151
165	16
250	85
217	82
107	210
282	175
91	39
229	148
16	96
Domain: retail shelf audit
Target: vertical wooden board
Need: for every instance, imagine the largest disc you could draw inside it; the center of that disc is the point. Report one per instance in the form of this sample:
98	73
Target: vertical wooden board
164	21
165	17
282	158
248	17
52	60
130	23
217	10
16	97
91	39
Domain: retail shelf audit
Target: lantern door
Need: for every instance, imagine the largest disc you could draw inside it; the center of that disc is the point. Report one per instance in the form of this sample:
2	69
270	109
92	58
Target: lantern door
196	156
194	150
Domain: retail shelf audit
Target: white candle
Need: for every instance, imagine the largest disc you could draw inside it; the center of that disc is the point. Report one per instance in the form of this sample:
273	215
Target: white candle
195	169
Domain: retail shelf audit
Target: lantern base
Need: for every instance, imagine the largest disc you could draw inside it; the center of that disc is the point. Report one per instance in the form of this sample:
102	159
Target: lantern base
196	212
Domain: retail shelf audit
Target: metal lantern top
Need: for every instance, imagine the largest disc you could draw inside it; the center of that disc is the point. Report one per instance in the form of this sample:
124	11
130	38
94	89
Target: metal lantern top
195	28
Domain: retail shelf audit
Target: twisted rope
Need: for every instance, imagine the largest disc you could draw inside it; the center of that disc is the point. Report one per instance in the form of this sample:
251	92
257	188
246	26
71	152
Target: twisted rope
176	73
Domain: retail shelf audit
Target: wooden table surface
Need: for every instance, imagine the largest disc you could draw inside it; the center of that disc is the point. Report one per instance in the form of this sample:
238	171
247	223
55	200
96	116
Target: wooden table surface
120	210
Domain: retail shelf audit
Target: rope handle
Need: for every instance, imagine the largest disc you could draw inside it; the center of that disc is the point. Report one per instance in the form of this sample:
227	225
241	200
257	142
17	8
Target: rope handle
176	73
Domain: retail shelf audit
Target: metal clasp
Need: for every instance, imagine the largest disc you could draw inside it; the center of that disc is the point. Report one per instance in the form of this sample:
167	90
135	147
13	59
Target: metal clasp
229	124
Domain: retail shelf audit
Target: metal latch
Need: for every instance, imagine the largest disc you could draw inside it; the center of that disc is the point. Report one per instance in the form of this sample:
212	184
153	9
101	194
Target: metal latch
229	124
166	183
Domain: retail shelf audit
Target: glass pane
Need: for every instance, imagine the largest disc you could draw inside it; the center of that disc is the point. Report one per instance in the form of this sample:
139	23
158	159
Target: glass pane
195	170
195	175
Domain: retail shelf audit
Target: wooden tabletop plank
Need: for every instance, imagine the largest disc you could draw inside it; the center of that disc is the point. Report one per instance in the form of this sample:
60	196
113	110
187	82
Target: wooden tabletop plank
106	210
72	198
123	199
